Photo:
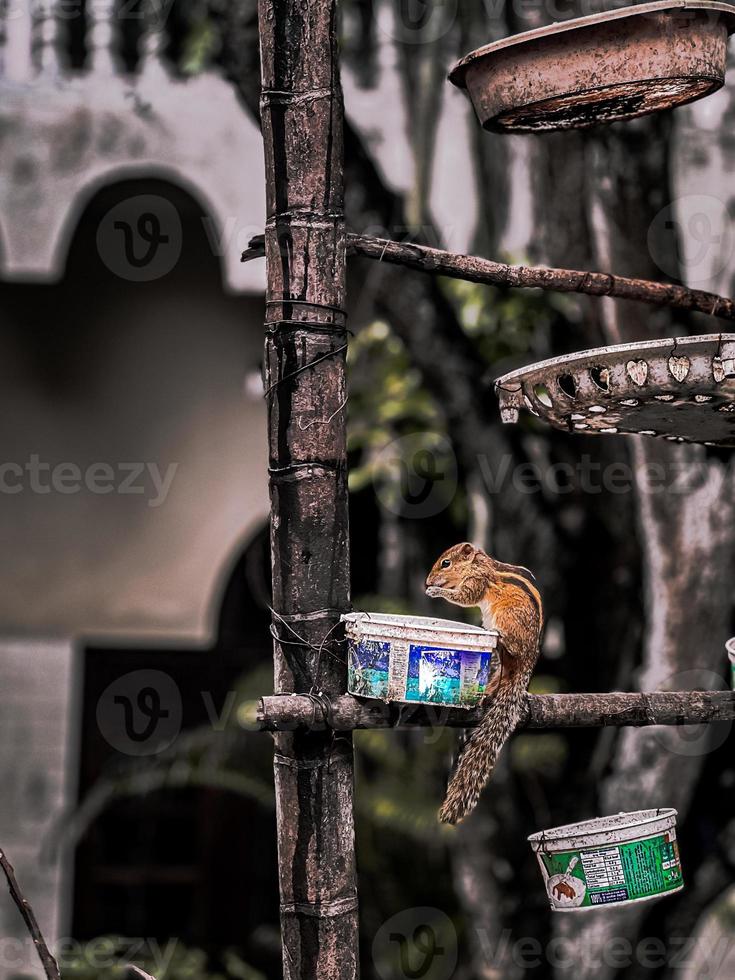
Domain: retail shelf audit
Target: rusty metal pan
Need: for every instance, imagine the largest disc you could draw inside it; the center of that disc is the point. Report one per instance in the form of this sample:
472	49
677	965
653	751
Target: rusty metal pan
682	389
599	69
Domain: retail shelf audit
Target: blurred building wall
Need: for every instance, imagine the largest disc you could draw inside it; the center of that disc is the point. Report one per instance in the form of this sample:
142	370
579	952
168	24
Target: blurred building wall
133	441
133	462
133	451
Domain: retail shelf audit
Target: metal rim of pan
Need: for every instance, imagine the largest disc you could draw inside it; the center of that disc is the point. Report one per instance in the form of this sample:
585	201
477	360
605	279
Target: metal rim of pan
457	74
599	69
681	389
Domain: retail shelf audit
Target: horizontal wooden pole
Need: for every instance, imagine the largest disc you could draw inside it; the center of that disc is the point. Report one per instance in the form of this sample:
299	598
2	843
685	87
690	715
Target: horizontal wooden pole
473	268
292	712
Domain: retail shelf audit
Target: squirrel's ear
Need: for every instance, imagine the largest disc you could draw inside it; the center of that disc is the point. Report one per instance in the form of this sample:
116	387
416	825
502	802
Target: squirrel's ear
467	550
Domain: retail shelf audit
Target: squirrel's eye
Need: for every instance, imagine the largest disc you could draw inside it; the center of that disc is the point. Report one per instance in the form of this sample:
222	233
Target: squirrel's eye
446	563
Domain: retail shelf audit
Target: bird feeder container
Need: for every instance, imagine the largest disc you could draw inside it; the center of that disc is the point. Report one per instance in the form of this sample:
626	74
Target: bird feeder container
599	69
417	659
682	389
730	647
625	858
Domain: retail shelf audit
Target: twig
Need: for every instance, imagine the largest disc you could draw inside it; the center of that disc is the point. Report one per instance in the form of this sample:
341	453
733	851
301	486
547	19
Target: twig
255	249
50	966
475	269
542	711
133	972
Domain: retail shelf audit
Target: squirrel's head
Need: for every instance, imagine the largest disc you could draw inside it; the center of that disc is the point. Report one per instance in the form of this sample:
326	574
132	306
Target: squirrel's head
463	574
459	575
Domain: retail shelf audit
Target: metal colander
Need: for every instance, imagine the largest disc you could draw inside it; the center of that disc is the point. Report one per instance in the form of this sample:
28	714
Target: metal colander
682	389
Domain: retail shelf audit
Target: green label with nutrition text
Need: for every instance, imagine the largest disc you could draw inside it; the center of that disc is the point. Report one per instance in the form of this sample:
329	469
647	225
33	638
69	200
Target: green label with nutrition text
614	873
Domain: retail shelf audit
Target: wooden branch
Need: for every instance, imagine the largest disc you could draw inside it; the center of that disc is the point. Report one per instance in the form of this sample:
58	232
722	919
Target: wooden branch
50	966
475	269
543	711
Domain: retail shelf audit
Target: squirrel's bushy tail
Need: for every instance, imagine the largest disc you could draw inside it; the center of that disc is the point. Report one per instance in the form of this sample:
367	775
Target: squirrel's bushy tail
477	758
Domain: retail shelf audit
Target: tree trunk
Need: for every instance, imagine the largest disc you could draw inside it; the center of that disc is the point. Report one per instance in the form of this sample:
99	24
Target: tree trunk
302	114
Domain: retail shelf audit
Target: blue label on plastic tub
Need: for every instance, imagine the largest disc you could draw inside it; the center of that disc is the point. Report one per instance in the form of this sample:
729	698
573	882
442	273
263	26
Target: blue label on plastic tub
404	671
437	675
368	669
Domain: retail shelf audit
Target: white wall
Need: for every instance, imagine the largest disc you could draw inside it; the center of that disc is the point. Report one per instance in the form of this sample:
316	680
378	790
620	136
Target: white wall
96	383
38	766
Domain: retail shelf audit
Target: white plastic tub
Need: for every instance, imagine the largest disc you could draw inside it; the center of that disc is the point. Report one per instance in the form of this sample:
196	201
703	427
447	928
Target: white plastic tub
418	659
621	859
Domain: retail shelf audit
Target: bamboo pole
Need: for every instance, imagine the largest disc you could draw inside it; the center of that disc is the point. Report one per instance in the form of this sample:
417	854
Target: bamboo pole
542	711
473	268
302	118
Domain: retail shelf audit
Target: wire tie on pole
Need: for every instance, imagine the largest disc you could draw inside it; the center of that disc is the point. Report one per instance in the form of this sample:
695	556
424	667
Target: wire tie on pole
304	367
304	617
308	326
306	302
302	642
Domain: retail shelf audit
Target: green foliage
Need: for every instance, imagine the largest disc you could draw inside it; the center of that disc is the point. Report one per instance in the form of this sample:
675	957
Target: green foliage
545	755
385	389
503	322
107	958
394	420
387	399
391	605
200	45
399	780
544	684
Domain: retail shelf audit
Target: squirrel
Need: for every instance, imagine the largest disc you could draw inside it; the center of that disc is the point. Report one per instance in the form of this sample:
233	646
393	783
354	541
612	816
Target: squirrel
511	604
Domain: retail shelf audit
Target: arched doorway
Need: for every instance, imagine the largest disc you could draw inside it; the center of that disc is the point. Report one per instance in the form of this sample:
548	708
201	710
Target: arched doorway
191	862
